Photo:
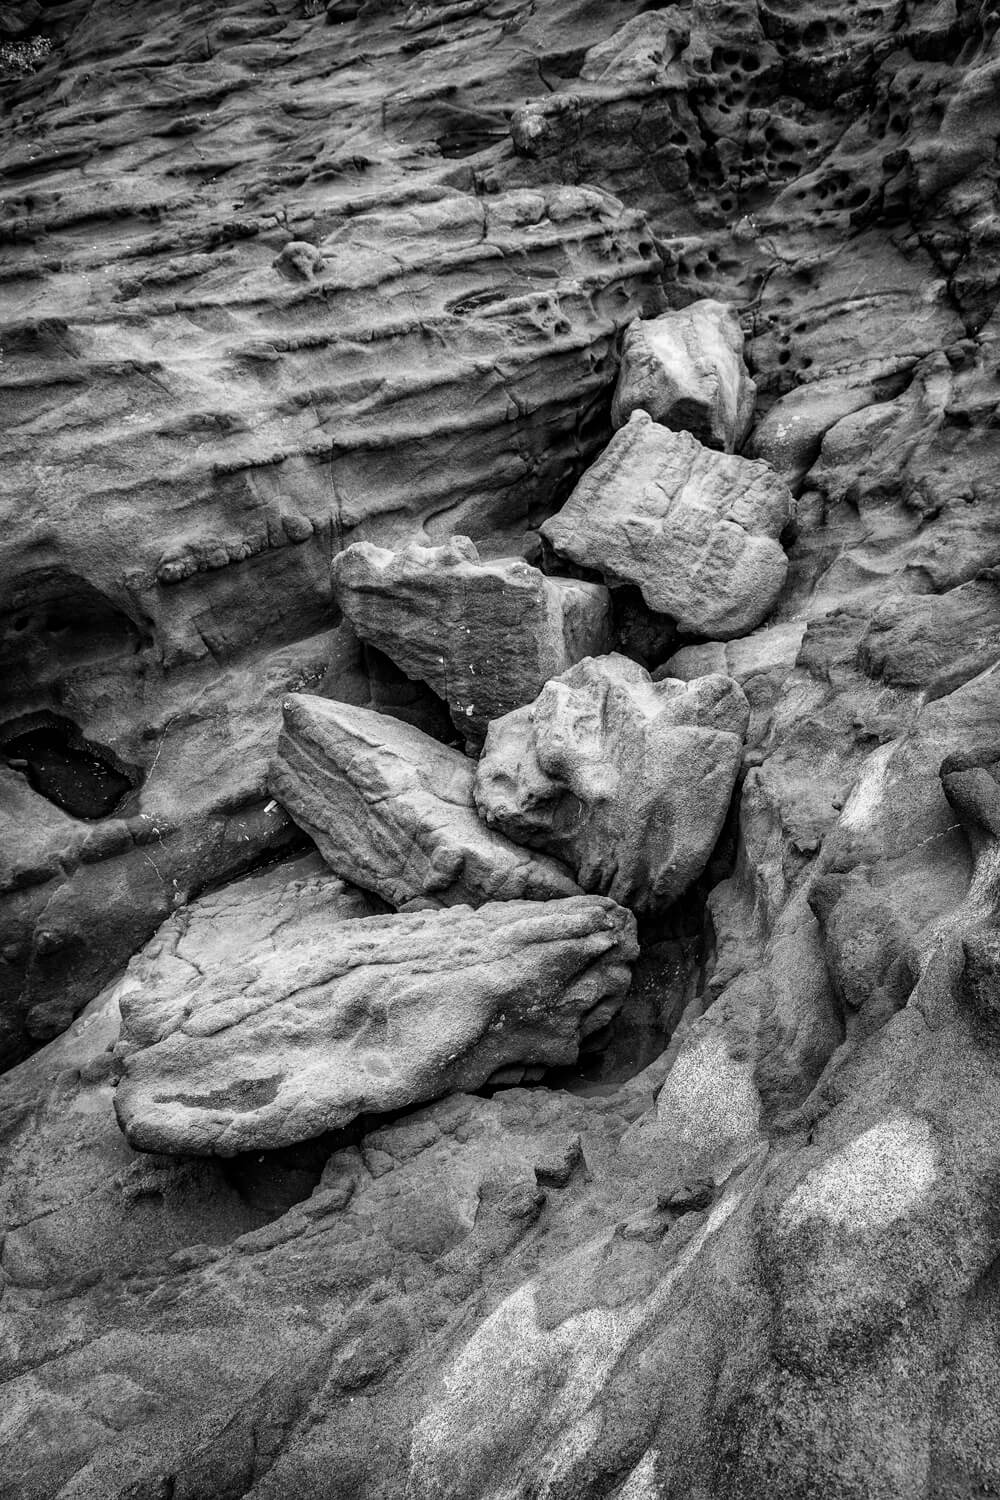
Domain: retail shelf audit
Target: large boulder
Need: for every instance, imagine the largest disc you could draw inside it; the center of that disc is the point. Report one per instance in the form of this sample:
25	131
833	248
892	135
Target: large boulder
625	779
391	810
697	531
296	1031
486	636
685	368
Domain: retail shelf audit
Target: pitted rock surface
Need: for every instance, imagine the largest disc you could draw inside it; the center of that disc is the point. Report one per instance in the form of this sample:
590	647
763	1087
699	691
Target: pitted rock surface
392	810
625	779
697	531
485	636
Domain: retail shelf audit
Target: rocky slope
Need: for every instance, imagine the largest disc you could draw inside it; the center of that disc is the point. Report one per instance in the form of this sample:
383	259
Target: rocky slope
277	281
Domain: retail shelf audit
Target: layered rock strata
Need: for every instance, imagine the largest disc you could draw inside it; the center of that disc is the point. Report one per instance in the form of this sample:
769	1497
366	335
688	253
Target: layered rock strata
392	810
485	636
686	370
696	531
300	1030
626	780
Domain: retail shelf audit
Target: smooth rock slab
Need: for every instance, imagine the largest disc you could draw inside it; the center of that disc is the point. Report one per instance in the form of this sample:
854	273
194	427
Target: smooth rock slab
391	810
696	530
486	636
291	1038
686	369
626	779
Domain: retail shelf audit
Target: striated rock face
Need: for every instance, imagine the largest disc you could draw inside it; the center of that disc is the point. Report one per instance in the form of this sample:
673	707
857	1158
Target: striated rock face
695	530
485	636
625	779
391	810
306	1022
686	370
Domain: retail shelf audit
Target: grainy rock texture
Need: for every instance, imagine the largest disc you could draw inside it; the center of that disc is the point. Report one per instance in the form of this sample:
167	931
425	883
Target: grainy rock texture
305	1022
696	531
485	636
392	810
765	1265
626	780
686	370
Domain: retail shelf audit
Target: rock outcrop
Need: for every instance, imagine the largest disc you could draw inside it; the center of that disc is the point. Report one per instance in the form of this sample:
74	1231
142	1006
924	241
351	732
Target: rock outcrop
392	810
300	1029
697	531
626	780
484	635
686	370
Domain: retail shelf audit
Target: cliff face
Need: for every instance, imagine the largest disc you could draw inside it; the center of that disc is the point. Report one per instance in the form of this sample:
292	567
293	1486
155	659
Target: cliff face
275	282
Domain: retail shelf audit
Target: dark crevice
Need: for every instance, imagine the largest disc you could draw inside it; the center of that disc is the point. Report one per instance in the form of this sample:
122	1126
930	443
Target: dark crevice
82	777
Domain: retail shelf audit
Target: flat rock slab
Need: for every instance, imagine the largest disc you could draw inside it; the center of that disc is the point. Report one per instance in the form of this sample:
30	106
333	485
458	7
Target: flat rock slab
486	636
686	369
626	779
695	530
391	810
299	1030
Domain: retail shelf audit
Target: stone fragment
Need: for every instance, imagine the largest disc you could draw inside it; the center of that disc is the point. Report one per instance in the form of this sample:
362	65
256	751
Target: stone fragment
625	779
293	1034
685	368
486	636
391	810
694	529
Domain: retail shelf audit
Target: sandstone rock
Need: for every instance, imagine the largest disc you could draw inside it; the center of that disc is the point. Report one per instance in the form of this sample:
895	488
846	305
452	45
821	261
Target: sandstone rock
486	636
686	370
391	810
302	1030
299	261
696	530
625	779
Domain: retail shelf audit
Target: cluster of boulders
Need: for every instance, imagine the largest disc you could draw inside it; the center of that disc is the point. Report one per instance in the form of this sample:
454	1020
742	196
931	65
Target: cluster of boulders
597	797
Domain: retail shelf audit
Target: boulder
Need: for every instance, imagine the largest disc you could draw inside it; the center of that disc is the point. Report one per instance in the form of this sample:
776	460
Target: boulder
626	779
391	810
485	636
697	531
300	1030
685	368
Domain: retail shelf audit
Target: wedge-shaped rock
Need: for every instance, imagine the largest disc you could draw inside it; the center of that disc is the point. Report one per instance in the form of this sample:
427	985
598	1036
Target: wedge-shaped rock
686	370
696	530
298	1034
626	779
391	810
486	636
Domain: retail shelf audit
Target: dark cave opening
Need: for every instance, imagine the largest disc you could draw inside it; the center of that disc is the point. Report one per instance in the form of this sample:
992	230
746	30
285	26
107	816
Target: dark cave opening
83	778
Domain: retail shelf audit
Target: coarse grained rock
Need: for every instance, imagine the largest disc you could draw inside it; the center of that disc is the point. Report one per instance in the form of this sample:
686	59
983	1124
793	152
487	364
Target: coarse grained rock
626	779
484	635
696	530
391	810
301	1030
685	368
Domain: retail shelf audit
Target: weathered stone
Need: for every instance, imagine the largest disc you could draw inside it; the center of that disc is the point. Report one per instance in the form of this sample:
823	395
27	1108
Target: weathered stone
299	1030
391	810
625	779
686	370
486	636
695	529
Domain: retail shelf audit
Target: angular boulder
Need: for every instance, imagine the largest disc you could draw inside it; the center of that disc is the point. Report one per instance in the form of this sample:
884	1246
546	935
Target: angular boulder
391	810
626	779
686	369
485	636
697	531
298	1032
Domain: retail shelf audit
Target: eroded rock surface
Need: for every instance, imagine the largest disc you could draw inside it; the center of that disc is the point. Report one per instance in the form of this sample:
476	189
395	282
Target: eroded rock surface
485	636
686	370
306	1022
697	531
392	810
625	779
